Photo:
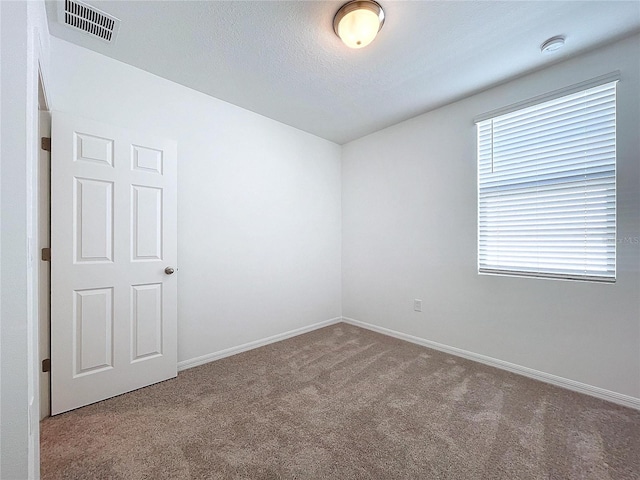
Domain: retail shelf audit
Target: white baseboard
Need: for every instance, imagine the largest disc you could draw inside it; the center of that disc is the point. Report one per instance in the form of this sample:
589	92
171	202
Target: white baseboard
210	357
619	398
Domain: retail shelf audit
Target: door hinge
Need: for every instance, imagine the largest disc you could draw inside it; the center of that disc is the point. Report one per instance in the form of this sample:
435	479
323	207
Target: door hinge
46	254
46	365
45	143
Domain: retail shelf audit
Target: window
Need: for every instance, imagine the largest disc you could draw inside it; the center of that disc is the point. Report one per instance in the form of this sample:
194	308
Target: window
547	188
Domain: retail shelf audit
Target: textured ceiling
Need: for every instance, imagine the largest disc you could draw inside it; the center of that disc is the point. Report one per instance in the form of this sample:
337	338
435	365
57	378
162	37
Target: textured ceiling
281	58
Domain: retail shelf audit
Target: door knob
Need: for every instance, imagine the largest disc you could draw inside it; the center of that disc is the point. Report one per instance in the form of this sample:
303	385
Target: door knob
169	270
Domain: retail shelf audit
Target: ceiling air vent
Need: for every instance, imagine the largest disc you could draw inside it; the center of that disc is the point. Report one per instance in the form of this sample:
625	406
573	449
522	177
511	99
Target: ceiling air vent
88	19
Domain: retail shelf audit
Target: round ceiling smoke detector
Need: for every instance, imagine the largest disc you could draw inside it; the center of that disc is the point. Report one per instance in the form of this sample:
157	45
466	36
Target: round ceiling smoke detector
553	44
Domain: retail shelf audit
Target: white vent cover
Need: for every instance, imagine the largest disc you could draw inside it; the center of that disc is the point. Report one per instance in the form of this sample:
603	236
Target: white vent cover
88	19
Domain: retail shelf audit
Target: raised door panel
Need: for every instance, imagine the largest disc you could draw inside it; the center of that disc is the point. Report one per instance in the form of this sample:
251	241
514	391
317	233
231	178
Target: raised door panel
93	149
93	222
146	321
93	326
146	159
146	223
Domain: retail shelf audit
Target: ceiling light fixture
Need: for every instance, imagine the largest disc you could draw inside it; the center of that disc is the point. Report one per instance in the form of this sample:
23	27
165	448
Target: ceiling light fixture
358	22
553	44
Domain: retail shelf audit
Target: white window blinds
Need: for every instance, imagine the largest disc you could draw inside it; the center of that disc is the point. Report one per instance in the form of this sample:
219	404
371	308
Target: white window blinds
547	188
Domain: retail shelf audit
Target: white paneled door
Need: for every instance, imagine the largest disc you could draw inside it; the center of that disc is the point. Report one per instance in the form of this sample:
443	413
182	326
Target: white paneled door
113	261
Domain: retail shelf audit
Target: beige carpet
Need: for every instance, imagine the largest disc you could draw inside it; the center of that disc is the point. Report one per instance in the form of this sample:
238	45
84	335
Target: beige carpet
344	403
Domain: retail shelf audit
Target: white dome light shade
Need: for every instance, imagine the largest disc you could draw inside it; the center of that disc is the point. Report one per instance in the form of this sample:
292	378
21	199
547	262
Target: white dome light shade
358	28
358	22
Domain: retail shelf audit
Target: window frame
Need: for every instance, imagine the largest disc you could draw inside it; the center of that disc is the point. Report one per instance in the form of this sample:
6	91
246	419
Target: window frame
484	269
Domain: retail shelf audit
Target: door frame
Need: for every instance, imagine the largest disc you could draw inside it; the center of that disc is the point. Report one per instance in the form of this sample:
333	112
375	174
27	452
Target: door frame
25	39
44	241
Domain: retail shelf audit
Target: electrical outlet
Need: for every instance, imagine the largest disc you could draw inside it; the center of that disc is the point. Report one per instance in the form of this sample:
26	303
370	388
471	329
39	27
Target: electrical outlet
417	305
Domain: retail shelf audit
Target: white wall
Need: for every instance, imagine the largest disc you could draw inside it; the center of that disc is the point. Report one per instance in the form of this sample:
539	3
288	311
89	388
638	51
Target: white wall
409	231
24	47
13	263
258	202
1	157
